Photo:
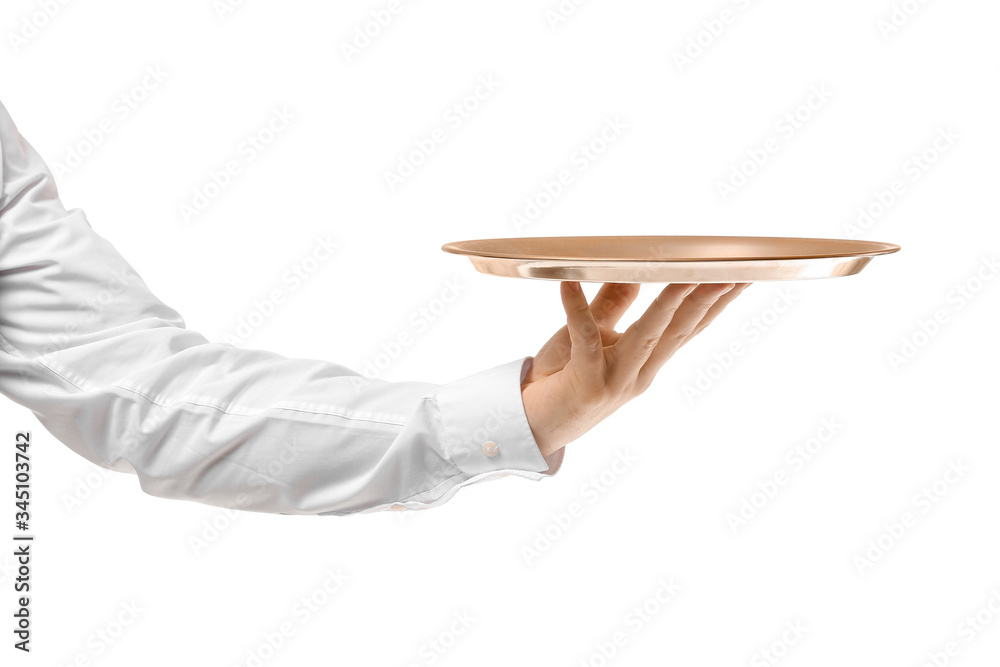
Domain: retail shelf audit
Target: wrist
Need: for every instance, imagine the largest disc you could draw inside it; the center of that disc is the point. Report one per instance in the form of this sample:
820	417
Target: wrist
544	429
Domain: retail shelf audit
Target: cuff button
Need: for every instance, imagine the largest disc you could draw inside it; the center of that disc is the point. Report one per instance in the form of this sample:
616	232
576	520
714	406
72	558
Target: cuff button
491	448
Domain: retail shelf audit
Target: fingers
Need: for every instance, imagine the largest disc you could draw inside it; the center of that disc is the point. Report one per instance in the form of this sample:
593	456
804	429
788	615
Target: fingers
718	307
587	352
608	306
706	302
612	301
640	339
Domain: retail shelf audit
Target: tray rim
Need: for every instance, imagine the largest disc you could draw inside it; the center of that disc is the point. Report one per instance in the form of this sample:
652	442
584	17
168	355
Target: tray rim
872	249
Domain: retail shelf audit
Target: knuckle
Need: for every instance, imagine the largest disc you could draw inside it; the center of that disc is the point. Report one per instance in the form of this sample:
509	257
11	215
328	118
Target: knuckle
616	301
639	384
591	338
680	335
669	304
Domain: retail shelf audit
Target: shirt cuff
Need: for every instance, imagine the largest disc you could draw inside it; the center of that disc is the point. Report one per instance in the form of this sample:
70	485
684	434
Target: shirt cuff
485	430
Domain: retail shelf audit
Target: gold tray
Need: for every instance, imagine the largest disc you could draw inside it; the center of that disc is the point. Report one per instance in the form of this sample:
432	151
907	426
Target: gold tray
669	259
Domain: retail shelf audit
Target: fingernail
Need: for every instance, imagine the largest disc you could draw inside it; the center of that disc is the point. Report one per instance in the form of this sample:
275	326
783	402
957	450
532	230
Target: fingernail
574	287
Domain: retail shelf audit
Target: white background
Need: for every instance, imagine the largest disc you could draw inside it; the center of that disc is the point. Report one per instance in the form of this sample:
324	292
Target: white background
103	544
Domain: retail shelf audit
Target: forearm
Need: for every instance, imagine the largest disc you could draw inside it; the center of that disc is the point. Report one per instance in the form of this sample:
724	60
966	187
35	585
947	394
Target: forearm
114	374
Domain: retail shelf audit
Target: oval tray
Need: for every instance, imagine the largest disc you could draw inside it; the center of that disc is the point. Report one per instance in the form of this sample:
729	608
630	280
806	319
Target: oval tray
669	259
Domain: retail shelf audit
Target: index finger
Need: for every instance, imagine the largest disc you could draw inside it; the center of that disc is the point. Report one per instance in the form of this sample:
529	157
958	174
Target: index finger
587	347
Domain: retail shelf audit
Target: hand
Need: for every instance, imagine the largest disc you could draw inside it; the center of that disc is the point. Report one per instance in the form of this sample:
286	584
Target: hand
587	370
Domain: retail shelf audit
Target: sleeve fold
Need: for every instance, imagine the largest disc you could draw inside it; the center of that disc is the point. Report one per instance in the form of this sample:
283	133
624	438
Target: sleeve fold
112	372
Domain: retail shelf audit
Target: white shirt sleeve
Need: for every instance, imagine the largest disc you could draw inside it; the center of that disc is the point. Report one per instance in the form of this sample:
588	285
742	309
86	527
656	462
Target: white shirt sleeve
113	373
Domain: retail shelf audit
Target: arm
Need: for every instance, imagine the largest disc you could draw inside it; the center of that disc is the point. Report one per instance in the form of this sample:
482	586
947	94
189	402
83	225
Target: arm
112	372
